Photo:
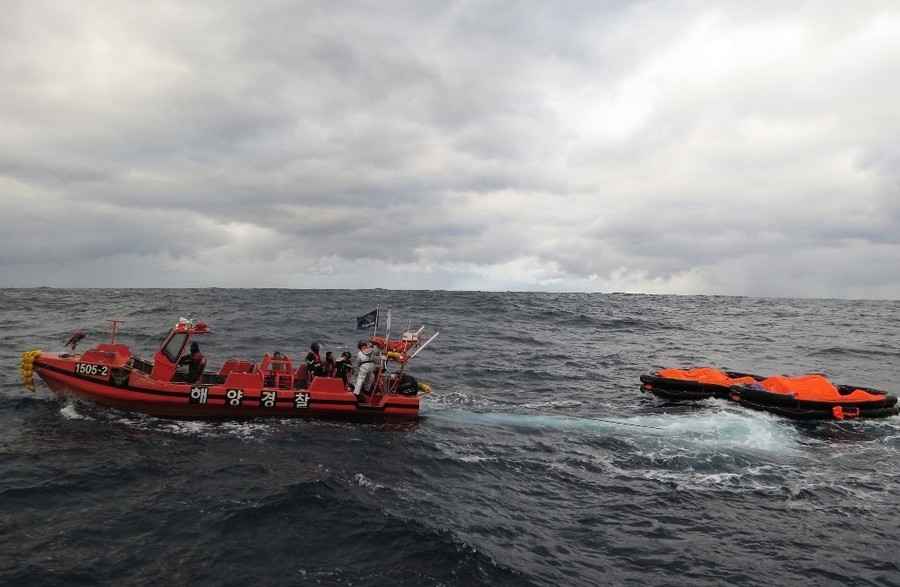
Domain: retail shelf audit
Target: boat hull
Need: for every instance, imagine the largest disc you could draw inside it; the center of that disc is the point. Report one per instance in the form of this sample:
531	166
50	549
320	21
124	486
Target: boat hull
142	394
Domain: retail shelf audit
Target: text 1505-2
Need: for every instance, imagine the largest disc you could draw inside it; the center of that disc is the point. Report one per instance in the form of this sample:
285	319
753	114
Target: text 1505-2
91	369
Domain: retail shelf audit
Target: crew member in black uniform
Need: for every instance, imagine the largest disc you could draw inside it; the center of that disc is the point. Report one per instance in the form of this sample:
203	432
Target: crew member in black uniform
195	361
314	362
343	367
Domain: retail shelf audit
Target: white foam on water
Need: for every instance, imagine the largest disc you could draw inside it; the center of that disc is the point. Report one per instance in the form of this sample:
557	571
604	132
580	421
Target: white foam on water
681	469
553	404
713	452
722	428
245	430
456	399
707	430
726	429
889	439
242	430
366	483
475	459
463	452
737	483
179	427
70	412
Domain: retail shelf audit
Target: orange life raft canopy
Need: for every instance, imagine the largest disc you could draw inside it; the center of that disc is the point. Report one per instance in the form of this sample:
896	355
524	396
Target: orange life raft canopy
814	397
695	383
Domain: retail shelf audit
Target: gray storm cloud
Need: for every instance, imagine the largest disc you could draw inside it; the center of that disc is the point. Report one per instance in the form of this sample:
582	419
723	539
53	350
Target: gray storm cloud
671	147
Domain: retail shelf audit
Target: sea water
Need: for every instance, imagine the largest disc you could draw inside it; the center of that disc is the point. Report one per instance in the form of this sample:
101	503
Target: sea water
537	461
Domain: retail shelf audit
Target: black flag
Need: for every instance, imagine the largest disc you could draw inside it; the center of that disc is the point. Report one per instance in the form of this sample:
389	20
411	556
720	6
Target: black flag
367	320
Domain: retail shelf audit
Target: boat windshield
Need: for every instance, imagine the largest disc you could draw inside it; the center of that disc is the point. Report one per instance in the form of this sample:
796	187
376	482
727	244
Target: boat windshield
173	348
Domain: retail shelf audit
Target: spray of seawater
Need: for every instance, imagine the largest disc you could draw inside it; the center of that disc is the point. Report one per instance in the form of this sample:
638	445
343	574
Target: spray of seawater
69	411
717	429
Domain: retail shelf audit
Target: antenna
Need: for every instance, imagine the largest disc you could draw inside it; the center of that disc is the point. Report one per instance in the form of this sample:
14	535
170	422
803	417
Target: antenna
387	349
425	344
115	329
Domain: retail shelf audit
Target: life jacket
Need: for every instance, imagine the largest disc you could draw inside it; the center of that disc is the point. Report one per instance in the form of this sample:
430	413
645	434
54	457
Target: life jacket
314	363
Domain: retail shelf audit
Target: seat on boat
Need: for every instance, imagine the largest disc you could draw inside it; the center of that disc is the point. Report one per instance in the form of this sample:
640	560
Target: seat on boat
277	371
236	366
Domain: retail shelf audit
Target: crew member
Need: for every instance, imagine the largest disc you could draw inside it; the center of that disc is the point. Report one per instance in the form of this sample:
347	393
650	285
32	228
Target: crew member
329	366
75	339
343	367
314	362
195	361
364	368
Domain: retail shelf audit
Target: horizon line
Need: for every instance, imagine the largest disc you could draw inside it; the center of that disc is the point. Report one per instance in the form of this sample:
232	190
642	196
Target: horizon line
515	291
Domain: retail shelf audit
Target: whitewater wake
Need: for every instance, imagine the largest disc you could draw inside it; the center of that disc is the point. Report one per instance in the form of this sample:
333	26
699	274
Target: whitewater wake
753	431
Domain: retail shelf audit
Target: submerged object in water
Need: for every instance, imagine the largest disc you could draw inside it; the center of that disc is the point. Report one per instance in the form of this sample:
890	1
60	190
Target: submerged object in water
814	397
694	384
111	375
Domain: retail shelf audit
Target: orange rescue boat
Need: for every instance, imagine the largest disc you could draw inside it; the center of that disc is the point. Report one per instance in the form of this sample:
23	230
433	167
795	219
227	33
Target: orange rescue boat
111	375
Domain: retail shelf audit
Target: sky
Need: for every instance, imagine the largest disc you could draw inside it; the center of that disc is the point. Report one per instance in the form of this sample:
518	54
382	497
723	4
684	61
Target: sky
671	147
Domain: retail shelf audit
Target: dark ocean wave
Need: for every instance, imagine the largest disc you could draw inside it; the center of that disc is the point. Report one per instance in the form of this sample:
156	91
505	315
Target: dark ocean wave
866	353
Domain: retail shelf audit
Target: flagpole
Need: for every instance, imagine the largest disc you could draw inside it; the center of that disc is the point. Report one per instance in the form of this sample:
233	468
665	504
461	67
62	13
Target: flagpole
387	348
375	328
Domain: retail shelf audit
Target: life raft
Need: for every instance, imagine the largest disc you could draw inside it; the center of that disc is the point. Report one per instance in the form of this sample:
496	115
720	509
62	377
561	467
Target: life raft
694	384
803	397
814	397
